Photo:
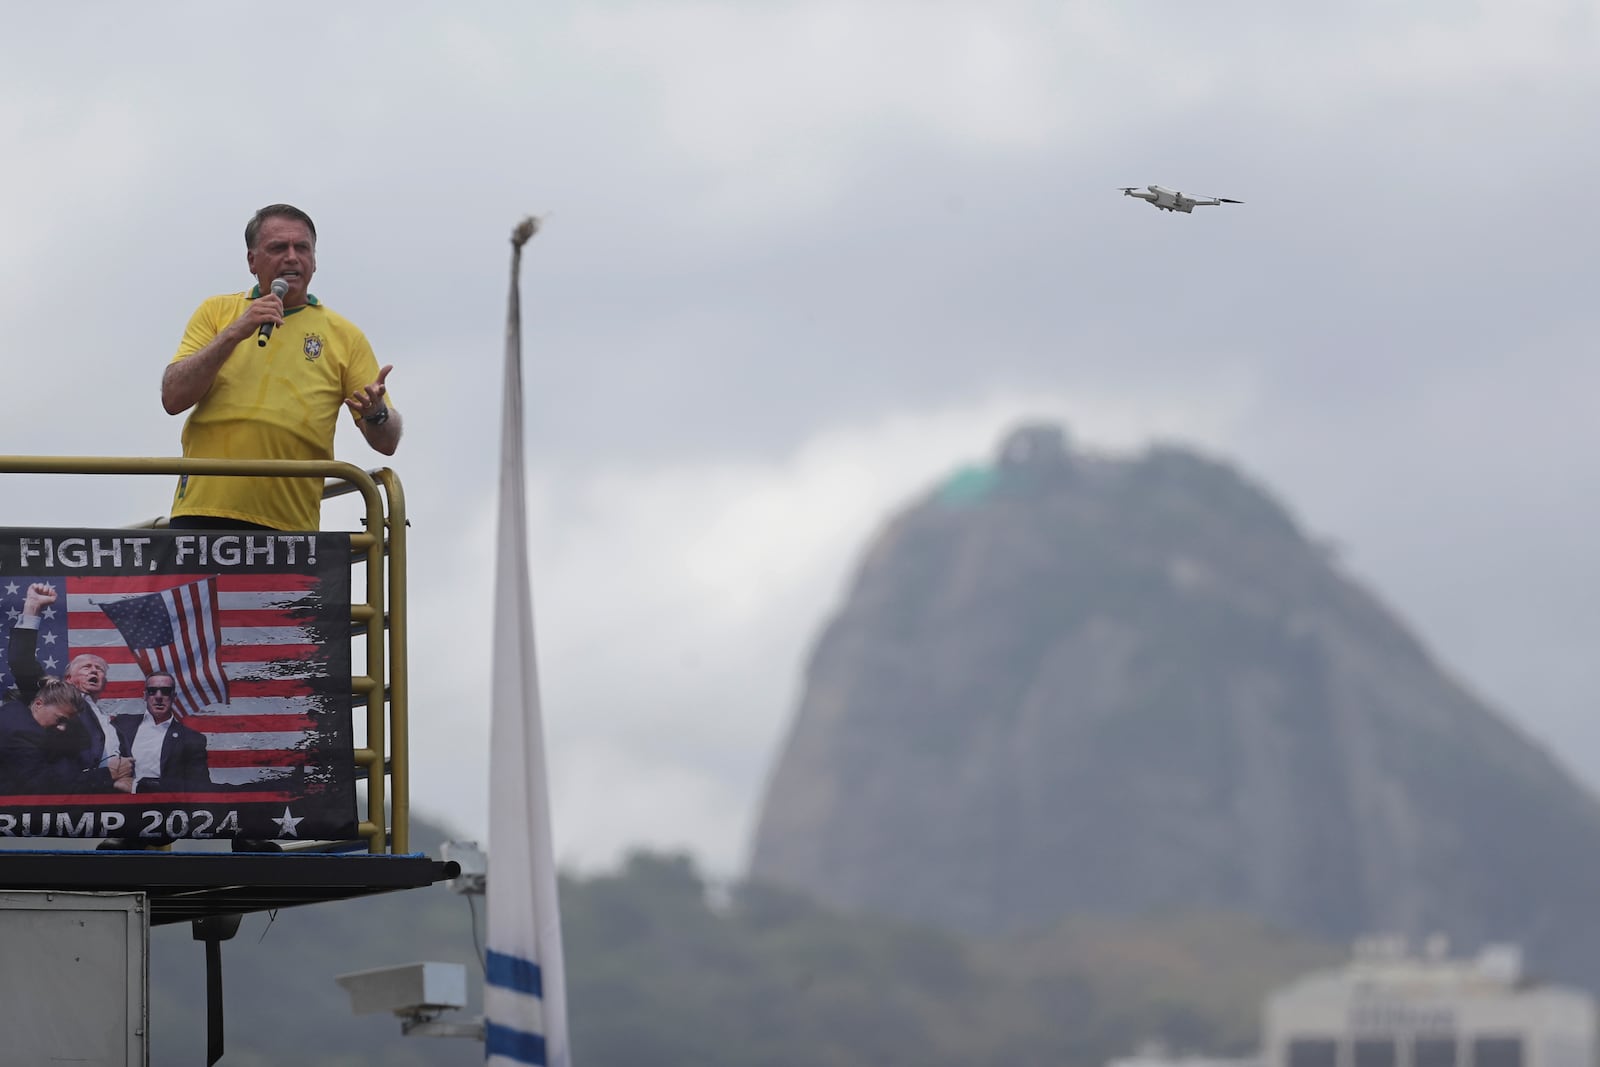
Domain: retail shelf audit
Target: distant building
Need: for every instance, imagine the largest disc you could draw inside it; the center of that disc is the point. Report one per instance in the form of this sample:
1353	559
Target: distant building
1387	1008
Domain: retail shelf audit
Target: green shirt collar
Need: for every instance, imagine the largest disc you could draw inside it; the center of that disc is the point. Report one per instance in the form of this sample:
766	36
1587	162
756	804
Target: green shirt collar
311	299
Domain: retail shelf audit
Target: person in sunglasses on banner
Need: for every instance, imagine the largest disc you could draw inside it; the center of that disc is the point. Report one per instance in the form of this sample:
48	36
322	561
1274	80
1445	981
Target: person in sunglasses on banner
168	756
266	372
41	745
86	672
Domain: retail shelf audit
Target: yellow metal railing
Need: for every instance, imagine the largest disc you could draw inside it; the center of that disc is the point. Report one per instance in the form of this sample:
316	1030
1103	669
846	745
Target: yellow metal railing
382	547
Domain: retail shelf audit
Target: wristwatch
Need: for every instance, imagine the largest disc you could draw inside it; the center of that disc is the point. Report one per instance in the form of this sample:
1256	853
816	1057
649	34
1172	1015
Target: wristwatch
377	418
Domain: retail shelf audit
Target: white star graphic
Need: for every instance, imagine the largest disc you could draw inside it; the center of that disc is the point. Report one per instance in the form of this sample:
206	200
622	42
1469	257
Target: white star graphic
288	822
49	639
50	663
49	613
14	614
11	587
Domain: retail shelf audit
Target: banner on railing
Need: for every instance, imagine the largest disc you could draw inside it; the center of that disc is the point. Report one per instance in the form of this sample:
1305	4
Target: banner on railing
164	684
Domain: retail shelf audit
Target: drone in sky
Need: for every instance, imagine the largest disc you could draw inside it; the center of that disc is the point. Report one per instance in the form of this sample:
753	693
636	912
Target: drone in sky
1169	200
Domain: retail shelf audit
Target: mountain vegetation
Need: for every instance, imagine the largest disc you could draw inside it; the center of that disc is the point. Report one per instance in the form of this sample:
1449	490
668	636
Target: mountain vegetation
664	970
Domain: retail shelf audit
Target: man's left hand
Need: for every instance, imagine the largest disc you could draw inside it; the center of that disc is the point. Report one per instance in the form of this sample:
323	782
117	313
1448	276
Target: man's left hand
369	398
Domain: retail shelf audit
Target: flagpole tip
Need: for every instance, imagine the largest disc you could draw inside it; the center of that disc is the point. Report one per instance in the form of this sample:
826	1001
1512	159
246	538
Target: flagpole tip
524	230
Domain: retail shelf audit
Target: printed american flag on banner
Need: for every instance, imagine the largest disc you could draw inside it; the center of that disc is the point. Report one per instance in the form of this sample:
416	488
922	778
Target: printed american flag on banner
177	631
269	653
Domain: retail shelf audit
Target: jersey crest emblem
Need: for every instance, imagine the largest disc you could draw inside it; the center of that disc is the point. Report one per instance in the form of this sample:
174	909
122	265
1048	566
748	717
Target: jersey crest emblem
313	346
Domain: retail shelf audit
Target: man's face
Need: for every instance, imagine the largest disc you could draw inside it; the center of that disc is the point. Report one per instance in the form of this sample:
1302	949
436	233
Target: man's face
284	249
88	675
158	696
53	716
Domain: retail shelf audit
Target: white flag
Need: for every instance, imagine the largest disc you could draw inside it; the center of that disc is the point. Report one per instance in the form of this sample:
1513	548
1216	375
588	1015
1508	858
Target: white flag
525	994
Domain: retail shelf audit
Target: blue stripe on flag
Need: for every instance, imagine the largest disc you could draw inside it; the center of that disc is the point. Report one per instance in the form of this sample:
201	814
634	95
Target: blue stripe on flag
515	973
516	1045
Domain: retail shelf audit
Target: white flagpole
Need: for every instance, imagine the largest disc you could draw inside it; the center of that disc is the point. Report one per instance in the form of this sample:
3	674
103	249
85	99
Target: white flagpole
525	995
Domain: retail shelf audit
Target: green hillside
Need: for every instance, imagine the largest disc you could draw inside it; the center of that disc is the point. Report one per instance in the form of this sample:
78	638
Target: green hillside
660	972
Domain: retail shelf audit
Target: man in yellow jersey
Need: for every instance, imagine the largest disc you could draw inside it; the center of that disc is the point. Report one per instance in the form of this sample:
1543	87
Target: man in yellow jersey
266	376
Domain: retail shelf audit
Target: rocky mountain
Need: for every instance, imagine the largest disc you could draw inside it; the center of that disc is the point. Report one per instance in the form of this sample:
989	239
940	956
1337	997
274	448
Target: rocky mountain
1065	683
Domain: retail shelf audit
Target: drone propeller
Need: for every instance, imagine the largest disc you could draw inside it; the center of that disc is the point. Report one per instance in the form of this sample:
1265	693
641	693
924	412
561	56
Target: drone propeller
1129	188
1225	200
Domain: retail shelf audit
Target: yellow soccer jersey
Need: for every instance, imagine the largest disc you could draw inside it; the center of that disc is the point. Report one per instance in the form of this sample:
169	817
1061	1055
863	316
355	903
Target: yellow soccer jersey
277	402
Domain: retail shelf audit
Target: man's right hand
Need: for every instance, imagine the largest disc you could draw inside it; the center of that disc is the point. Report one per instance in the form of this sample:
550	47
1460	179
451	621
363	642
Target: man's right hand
121	768
185	380
39	594
264	309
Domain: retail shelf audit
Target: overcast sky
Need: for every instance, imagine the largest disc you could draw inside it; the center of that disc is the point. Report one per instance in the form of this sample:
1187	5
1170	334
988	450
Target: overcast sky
802	259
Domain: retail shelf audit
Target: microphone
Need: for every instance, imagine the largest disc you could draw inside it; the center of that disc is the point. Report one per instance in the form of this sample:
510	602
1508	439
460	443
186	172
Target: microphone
279	288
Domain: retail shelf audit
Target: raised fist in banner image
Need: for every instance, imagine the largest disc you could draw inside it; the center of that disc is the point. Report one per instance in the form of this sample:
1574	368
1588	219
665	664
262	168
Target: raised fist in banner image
39	595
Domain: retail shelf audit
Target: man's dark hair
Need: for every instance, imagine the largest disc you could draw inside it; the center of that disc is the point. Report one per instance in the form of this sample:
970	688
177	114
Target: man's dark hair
252	229
54	692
